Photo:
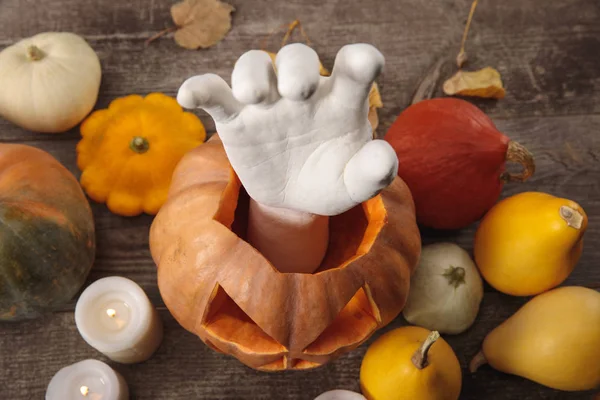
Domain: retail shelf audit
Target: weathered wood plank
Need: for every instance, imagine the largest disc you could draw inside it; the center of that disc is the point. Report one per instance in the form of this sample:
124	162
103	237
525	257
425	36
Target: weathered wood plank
547	66
546	52
184	368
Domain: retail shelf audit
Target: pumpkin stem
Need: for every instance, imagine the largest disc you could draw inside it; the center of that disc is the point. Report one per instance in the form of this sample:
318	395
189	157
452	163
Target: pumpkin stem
139	144
519	154
419	359
455	276
34	53
477	362
573	217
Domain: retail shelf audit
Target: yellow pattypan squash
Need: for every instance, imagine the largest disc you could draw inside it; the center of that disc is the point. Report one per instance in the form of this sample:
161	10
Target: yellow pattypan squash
128	151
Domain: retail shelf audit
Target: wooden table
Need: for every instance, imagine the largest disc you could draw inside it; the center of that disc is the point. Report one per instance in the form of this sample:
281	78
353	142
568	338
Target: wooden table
548	53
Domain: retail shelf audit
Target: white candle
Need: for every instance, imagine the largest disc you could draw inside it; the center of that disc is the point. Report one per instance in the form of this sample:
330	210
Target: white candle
115	316
87	380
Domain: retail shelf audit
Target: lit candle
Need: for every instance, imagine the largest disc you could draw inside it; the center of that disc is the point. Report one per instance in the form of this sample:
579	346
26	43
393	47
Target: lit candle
87	380
115	316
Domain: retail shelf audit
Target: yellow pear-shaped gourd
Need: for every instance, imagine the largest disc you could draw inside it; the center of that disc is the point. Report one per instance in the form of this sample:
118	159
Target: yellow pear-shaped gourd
529	243
410	363
554	340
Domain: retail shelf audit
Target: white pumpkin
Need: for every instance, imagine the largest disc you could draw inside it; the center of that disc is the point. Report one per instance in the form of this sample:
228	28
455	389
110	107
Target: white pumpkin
340	394
445	290
49	82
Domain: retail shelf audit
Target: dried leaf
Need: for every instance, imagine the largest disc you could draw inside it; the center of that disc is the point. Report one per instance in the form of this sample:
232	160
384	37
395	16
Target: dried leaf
484	83
374	103
201	23
374	96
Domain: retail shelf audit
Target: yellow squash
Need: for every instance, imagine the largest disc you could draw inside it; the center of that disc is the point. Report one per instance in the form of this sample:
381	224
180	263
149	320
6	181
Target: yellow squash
529	243
554	340
410	363
128	152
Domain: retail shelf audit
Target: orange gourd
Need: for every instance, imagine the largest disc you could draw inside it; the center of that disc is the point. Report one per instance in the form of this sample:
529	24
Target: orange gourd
219	287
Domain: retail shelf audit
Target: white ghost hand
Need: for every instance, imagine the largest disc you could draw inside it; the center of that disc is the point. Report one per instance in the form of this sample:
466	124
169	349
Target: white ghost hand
298	140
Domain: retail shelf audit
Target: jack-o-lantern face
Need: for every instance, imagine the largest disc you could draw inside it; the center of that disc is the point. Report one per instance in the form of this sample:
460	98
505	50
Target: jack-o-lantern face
219	287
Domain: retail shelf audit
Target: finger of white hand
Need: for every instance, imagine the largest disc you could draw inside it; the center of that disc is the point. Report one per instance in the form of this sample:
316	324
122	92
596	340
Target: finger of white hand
355	69
370	170
211	93
297	71
253	79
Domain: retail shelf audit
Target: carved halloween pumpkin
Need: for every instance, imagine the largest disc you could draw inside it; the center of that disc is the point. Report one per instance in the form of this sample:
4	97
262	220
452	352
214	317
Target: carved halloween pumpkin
219	287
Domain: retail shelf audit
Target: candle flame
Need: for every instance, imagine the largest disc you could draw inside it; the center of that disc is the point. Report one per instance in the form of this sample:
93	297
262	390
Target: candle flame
111	312
84	390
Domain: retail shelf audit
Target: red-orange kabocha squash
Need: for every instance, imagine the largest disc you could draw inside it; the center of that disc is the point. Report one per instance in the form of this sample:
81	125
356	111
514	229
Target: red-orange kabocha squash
222	289
46	231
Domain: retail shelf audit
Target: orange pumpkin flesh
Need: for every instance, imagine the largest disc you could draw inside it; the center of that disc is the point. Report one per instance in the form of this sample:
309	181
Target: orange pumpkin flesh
219	287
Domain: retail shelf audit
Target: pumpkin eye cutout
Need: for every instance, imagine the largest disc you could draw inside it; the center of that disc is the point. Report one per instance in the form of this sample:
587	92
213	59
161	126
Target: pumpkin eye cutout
355	323
231	326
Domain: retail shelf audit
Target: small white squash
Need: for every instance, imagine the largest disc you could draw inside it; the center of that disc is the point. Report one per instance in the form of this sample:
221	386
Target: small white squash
48	82
445	290
340	394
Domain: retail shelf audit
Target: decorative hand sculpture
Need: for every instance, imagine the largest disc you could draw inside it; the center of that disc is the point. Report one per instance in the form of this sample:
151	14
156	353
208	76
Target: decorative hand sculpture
297	140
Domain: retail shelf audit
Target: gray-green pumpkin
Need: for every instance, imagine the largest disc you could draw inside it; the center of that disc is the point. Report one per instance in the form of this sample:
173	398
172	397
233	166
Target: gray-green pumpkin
47	241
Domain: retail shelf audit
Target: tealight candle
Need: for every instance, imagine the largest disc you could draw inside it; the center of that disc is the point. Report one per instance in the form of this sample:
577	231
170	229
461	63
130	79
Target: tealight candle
115	316
87	380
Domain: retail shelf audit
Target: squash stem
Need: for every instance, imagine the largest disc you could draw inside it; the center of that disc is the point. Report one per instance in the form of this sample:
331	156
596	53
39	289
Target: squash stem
139	144
419	359
519	154
477	362
455	276
572	217
34	53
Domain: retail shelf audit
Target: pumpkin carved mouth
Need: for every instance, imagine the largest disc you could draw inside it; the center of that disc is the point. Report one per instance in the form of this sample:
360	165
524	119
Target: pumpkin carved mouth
222	289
